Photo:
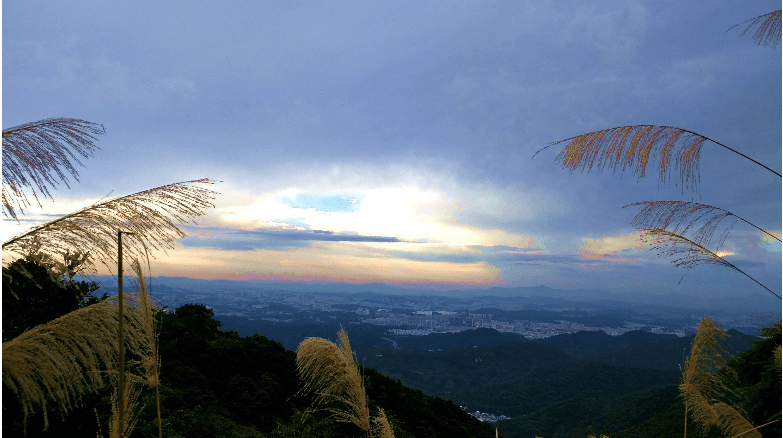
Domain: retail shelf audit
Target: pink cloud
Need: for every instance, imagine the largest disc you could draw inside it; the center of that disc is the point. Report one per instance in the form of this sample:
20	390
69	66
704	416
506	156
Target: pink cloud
606	248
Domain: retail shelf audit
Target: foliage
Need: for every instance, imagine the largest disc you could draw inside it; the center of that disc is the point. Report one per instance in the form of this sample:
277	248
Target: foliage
45	361
662	355
414	413
658	412
594	412
38	289
511	379
758	373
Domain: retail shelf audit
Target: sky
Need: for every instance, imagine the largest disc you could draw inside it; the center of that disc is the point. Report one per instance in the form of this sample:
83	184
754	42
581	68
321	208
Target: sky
393	141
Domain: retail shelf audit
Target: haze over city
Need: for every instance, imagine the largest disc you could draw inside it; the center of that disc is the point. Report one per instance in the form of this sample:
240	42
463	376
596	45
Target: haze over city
393	142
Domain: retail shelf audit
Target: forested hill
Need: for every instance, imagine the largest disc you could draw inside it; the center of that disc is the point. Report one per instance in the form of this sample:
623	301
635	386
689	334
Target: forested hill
601	341
218	384
511	379
478	338
637	349
658	412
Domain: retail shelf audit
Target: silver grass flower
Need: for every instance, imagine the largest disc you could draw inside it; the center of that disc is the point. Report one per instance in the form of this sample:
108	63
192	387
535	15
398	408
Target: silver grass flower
684	216
330	372
68	356
37	156
634	147
705	385
768	29
151	215
687	253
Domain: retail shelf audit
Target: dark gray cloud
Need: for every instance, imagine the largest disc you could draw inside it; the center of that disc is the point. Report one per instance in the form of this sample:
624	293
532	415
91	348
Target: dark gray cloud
243	240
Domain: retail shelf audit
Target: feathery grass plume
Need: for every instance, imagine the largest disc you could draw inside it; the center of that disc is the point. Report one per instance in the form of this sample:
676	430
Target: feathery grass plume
768	31
705	384
381	426
330	372
37	155
151	215
633	147
131	398
150	360
688	253
684	216
67	356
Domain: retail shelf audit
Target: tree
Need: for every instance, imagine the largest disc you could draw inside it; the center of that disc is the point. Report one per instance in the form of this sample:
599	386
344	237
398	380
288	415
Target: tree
37	289
634	147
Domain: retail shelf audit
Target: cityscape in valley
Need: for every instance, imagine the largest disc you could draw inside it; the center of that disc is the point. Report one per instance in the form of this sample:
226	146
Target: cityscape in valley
534	313
386	324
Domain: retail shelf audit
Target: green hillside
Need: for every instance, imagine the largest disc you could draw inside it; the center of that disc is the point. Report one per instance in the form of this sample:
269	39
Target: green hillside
511	379
218	384
664	355
658	412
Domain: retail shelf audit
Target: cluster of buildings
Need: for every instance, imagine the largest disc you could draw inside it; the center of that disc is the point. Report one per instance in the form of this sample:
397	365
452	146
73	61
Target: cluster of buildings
483	416
420	323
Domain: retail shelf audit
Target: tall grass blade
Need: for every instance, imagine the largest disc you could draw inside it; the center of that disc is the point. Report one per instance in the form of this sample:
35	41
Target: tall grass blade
39	155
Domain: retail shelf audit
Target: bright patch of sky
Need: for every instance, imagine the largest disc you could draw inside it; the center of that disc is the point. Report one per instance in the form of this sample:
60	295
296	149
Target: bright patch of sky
322	202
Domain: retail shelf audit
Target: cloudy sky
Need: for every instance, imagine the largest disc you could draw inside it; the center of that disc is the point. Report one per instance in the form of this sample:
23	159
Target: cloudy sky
393	141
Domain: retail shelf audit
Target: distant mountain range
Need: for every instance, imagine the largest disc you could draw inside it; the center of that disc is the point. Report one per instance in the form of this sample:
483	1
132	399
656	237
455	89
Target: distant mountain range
752	303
